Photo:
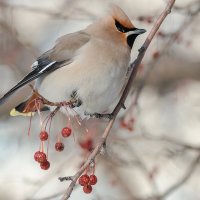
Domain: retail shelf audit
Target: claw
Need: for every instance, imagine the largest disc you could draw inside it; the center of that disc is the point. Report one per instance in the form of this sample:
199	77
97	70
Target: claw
100	116
76	103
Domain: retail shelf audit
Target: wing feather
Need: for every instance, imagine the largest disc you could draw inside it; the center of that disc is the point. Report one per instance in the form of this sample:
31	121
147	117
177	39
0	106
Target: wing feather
60	55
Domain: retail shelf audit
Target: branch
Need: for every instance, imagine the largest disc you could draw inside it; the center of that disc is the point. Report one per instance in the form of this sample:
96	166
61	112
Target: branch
172	141
37	10
44	11
182	180
163	51
134	66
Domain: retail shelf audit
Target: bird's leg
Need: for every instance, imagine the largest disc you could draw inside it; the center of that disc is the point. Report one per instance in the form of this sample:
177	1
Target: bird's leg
76	103
100	116
103	116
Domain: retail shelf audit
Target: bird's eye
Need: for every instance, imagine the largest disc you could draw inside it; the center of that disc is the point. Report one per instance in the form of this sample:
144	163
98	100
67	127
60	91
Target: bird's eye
120	27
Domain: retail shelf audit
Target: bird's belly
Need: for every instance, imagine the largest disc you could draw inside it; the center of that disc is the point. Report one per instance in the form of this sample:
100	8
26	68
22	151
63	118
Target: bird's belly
99	96
97	91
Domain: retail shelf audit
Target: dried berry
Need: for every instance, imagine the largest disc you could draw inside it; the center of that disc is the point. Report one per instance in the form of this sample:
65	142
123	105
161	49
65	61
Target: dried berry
149	19
66	132
59	146
88	144
93	179
43	135
87	189
45	165
36	155
84	180
81	181
40	157
156	55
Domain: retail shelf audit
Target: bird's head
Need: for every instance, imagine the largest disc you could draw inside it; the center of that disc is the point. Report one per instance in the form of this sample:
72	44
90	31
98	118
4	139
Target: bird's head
124	26
115	26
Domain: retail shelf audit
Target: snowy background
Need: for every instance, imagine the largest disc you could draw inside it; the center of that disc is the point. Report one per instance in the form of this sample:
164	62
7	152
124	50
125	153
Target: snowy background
160	153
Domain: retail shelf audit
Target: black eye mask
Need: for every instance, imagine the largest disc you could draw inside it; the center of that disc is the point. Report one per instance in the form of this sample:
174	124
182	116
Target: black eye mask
121	28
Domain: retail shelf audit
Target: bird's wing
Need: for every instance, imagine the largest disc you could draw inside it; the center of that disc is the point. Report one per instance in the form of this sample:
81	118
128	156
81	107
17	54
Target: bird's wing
60	55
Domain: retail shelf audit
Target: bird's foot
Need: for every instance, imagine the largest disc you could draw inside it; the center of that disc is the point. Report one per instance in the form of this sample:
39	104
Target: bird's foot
75	103
100	116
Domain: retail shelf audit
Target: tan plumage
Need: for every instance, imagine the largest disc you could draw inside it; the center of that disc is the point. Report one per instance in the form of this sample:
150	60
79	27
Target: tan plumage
120	16
89	65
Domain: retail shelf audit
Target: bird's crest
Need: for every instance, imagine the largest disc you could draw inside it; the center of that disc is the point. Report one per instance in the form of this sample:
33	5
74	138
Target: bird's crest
119	15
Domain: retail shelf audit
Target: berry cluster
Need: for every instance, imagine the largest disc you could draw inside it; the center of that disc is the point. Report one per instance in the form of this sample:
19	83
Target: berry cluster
40	156
45	122
66	132
87	182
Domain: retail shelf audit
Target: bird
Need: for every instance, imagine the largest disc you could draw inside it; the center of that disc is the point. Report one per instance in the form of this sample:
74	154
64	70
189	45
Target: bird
89	66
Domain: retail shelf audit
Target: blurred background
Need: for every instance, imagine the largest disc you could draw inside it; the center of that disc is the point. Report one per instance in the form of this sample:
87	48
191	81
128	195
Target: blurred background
153	151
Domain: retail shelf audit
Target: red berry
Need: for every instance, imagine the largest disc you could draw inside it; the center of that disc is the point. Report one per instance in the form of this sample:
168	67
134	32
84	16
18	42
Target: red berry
87	189
149	19
66	132
161	34
36	155
59	146
123	124
88	144
45	165
93	179
156	55
84	180
81	181
43	135
40	157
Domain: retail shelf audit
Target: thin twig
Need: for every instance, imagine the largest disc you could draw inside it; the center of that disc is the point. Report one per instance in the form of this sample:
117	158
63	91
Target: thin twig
172	141
135	67
51	13
164	50
36	9
183	179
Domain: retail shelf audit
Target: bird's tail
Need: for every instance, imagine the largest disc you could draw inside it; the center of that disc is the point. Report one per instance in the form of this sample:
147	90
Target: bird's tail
28	107
23	82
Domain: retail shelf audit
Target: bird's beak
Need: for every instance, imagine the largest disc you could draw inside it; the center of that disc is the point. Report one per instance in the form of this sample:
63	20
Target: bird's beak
132	34
137	31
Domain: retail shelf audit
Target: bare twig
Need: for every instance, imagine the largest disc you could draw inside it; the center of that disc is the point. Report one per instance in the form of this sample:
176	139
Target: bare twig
163	51
37	10
135	67
123	183
51	13
173	37
172	141
186	9
182	180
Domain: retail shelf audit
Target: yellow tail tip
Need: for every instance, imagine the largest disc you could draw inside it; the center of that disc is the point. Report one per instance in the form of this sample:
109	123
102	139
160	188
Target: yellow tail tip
14	113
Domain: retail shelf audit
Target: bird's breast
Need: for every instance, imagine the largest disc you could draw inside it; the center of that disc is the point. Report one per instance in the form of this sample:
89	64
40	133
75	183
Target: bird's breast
97	74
